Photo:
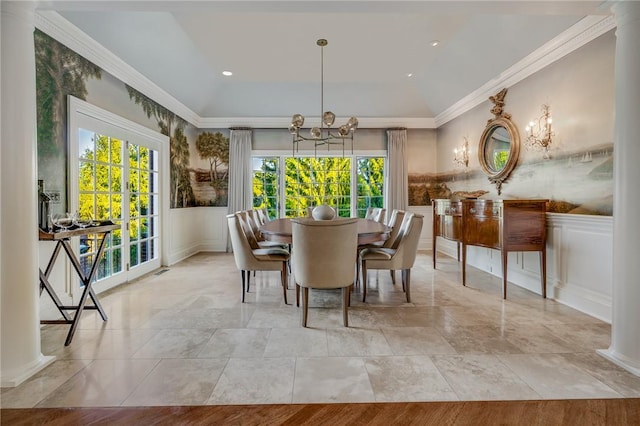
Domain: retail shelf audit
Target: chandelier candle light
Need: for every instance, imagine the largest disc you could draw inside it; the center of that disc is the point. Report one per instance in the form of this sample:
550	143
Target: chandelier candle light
539	133
323	135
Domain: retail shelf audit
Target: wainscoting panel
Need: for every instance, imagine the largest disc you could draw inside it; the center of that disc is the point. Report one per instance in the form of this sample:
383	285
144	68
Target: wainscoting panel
427	225
192	230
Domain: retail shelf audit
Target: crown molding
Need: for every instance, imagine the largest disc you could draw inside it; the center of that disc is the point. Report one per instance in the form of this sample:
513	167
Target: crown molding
284	122
584	31
75	39
65	32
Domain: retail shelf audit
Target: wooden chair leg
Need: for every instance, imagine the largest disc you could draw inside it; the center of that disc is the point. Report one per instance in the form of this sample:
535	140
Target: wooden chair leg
364	281
305	305
393	276
249	280
283	277
408	284
345	306
297	295
403	278
243	285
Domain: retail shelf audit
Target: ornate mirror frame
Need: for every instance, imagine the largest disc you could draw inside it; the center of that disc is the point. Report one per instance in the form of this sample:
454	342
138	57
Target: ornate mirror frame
501	119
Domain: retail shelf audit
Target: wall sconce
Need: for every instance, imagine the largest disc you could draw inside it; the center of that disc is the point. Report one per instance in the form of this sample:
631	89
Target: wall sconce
539	133
461	155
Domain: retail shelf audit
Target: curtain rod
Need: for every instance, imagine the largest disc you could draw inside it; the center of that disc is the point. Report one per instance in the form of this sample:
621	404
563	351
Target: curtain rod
240	128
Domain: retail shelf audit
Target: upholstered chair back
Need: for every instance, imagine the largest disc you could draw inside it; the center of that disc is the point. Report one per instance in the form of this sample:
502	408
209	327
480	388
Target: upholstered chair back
406	245
376	213
395	223
324	252
243	254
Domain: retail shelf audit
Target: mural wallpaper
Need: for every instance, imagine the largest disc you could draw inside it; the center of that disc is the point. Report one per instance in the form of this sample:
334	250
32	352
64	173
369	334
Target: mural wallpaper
61	72
576	182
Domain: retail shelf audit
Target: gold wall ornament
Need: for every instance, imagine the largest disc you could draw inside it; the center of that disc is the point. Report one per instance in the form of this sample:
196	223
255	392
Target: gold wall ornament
323	135
540	134
499	147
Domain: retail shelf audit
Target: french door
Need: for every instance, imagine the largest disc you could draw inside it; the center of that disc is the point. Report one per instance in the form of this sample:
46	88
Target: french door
115	176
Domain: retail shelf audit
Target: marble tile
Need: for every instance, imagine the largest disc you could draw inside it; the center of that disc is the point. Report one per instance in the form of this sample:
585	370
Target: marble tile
236	343
426	316
482	377
178	382
297	342
583	337
175	344
416	341
617	378
113	344
534	339
369	317
190	319
351	341
275	317
553	377
103	383
477	340
255	381
407	378
200	318
36	388
333	379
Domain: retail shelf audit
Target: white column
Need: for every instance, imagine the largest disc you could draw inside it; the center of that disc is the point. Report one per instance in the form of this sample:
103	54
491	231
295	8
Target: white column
20	355
625	330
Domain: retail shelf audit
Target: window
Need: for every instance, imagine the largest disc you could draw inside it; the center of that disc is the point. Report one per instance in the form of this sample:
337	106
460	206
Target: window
266	174
370	184
116	176
310	181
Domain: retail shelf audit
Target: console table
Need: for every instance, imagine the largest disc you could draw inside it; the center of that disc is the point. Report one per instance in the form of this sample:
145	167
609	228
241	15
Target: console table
62	241
505	225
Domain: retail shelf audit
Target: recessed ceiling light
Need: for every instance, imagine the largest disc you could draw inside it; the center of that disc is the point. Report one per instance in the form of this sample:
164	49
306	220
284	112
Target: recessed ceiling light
434	43
227	73
410	75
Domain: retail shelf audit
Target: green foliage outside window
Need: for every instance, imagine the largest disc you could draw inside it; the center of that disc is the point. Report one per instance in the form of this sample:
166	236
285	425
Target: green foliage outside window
313	181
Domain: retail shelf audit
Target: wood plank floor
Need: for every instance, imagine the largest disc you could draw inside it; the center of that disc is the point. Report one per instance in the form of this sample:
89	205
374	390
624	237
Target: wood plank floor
548	412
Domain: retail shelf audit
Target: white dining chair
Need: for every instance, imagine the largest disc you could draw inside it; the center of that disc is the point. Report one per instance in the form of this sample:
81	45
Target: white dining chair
324	255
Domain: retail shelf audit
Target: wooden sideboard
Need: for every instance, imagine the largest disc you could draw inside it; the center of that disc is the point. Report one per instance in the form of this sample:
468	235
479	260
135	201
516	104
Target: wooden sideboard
505	225
447	223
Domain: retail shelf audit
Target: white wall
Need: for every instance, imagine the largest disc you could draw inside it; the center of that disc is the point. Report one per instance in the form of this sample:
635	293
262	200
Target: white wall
196	229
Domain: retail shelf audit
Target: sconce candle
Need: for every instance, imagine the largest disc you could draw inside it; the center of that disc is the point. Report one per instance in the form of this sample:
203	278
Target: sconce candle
539	133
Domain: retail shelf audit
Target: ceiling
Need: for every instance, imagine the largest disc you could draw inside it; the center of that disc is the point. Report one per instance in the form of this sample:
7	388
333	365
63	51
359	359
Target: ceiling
373	46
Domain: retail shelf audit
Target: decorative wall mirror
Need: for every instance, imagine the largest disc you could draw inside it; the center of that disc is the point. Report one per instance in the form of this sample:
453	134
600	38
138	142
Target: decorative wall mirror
499	144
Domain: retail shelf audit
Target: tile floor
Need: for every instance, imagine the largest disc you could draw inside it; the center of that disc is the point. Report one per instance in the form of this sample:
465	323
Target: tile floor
183	338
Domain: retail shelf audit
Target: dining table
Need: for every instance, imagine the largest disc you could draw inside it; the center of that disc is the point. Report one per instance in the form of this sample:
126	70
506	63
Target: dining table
369	231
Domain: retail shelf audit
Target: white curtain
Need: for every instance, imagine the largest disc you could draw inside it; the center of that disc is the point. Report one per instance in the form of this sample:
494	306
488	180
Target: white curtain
240	185
398	191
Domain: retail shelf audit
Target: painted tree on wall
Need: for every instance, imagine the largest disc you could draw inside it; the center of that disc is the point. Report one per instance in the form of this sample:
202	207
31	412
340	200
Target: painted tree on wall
59	72
215	148
170	124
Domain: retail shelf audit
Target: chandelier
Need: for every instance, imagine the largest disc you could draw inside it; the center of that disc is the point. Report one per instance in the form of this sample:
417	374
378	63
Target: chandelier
323	135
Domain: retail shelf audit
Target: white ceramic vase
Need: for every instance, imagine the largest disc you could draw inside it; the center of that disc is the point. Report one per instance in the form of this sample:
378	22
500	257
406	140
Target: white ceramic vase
323	212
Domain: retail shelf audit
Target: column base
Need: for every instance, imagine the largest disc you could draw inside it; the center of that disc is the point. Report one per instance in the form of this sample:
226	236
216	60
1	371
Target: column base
620	361
15	378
